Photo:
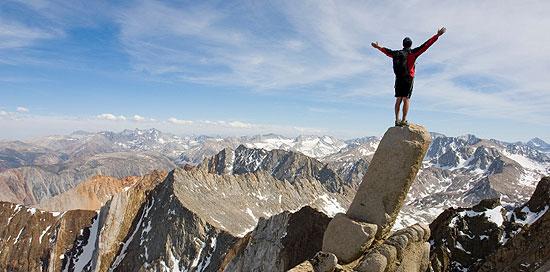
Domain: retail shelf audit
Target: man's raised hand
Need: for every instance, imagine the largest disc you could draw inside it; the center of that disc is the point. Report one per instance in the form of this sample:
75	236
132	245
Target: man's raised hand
375	45
441	31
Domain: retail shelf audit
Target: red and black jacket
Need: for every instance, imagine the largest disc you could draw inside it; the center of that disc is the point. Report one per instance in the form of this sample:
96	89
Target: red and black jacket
412	54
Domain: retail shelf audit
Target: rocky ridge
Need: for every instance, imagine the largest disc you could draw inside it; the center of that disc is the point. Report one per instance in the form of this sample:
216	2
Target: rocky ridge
93	193
279	243
34	240
493	237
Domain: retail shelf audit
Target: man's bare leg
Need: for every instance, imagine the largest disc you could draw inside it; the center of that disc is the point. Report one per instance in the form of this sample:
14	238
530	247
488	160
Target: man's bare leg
405	108
397	106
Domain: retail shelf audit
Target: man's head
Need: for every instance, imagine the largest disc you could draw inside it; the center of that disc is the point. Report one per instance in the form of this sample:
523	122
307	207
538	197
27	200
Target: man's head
407	42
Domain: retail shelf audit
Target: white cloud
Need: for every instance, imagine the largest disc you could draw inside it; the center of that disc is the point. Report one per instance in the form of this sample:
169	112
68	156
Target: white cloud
176	121
22	109
239	124
111	117
138	118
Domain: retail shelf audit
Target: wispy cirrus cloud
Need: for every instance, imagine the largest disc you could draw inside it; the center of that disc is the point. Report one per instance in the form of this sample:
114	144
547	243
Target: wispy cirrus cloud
492	65
327	43
14	35
206	45
489	66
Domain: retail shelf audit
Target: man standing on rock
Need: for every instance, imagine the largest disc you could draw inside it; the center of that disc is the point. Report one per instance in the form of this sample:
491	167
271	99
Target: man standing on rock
403	67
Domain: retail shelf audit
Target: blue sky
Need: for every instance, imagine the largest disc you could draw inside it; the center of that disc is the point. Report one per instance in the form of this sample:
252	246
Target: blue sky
289	67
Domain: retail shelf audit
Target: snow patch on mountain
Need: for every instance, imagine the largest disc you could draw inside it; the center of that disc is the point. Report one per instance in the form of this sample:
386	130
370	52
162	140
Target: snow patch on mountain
331	205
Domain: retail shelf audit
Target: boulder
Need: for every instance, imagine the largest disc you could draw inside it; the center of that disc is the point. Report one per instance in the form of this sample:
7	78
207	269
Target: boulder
321	262
347	238
324	262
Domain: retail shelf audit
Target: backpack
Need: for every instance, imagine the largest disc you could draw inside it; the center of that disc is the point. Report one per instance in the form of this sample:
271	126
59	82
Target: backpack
400	63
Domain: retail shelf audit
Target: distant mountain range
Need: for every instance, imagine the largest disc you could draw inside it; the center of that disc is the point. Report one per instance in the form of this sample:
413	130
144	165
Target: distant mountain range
457	171
119	186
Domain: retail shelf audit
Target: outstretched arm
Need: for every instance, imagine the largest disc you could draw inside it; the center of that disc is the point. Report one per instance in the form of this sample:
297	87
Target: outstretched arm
384	50
421	49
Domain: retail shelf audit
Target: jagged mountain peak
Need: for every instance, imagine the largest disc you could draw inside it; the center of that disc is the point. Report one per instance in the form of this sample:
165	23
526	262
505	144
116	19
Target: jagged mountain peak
469	139
281	164
538	142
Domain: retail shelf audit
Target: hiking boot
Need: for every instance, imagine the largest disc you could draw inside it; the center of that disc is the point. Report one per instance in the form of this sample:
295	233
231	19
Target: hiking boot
397	123
404	123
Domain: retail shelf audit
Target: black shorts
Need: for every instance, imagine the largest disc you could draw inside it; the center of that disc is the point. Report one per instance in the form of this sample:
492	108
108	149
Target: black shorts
404	86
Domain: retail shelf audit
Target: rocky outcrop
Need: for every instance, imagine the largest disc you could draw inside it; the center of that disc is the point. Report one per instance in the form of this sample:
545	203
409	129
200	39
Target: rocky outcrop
117	216
166	234
391	173
529	250
279	242
490	237
35	240
381	194
360	239
462	237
